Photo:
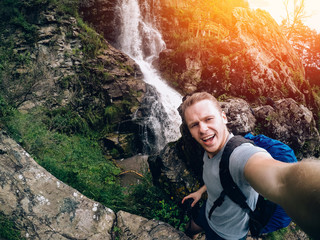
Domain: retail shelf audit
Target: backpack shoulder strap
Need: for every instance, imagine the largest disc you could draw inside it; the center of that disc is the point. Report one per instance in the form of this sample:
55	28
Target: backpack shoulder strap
230	187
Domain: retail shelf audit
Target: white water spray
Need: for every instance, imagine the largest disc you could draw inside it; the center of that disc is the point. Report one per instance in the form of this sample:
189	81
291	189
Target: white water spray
141	40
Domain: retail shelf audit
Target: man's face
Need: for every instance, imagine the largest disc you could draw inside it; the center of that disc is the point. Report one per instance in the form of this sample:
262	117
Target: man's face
207	126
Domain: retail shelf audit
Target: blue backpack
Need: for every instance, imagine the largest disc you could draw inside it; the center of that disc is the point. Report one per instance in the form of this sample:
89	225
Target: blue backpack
268	216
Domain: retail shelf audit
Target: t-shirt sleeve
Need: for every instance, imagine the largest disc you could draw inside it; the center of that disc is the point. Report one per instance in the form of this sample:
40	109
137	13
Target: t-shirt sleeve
238	160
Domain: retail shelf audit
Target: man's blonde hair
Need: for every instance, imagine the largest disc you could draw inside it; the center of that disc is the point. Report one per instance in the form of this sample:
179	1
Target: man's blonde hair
197	97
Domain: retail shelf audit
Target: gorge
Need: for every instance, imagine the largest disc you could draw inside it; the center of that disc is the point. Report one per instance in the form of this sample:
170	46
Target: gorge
78	99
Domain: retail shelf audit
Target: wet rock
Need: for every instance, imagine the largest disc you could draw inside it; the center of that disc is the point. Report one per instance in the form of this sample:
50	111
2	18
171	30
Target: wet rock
133	169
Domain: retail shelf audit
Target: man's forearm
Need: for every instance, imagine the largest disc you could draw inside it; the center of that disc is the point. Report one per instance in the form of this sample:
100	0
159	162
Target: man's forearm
301	195
203	189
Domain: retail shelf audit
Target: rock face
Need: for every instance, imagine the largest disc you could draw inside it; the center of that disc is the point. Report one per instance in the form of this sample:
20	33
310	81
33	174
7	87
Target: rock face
103	15
240	115
290	122
135	227
254	61
45	208
276	69
62	73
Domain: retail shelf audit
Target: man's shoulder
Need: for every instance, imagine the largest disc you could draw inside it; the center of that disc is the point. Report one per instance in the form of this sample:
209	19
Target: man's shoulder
243	153
247	149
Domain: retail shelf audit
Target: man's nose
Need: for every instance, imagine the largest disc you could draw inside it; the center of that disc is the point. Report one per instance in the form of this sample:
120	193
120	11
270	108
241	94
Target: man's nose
203	127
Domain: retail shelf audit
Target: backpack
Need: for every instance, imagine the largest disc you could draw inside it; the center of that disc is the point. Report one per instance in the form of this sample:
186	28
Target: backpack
267	216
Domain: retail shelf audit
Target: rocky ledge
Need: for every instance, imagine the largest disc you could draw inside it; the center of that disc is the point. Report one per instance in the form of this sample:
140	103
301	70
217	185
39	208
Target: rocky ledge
43	207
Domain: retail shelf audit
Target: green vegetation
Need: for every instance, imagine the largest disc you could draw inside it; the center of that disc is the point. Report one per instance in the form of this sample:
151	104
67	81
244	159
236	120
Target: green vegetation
154	203
75	158
92	41
8	229
277	235
66	143
16	13
202	27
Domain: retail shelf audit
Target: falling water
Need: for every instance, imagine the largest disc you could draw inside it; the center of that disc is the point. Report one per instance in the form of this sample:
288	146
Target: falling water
141	40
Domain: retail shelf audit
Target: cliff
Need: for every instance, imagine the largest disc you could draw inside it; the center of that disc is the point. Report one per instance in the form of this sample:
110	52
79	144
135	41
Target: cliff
253	60
78	80
68	67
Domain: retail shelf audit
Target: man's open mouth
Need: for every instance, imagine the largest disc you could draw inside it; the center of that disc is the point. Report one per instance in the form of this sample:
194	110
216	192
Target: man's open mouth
208	138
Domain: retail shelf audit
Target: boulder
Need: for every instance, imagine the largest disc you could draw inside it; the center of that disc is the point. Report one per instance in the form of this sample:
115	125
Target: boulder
175	171
135	227
44	207
290	122
240	116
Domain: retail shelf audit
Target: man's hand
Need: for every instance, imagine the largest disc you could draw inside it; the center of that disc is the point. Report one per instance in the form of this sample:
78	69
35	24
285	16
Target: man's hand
196	196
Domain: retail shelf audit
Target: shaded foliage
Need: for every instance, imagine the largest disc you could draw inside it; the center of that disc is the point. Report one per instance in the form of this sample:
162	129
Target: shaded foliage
8	229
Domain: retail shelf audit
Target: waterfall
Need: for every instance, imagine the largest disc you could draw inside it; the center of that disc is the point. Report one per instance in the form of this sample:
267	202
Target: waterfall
140	39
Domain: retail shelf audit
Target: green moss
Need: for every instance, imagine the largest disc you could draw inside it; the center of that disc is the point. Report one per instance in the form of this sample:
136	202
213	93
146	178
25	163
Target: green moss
223	97
297	77
111	114
263	100
8	229
252	91
66	7
272	116
92	41
65	82
277	235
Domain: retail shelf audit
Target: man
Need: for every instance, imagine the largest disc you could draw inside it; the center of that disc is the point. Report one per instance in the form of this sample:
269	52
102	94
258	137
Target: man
296	187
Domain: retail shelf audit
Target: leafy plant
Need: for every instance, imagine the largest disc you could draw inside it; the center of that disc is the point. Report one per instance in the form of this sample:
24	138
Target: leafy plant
152	202
65	120
20	14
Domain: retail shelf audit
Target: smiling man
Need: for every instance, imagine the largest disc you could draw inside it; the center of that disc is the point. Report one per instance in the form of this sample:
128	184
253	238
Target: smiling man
207	125
296	187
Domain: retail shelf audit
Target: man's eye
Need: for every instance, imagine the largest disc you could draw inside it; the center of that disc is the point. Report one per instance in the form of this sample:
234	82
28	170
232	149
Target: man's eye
194	125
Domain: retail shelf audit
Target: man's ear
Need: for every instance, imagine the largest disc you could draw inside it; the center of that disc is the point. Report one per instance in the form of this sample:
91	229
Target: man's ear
224	117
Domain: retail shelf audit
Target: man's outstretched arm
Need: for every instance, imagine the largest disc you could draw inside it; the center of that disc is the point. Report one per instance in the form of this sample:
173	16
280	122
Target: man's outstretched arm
294	186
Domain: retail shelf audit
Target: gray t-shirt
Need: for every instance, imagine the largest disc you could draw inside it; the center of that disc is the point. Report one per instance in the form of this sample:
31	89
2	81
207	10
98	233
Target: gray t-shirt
229	221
